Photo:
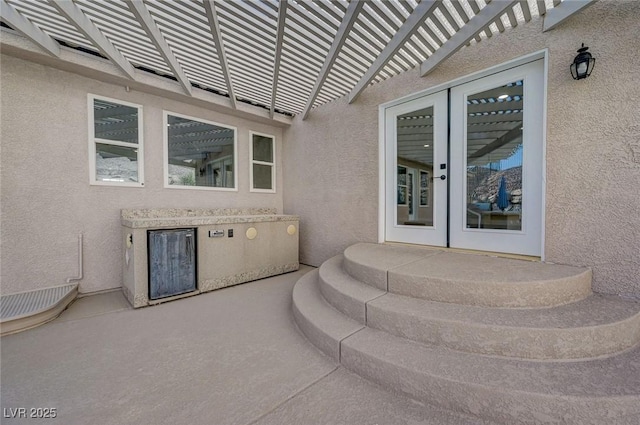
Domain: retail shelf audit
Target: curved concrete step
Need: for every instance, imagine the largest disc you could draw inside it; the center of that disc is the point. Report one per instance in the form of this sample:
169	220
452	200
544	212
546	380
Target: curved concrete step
324	326
595	326
600	391
346	294
26	310
596	392
470	279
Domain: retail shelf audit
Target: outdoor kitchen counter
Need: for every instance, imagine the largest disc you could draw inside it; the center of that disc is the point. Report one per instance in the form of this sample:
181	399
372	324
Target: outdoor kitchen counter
164	218
172	222
233	246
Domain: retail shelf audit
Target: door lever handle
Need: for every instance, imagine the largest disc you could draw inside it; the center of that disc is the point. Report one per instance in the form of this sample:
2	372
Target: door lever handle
442	177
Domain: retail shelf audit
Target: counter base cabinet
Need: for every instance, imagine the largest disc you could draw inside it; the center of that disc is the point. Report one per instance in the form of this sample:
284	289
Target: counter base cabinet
229	261
163	260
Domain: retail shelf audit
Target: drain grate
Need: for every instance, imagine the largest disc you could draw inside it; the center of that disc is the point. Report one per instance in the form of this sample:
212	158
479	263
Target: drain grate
27	303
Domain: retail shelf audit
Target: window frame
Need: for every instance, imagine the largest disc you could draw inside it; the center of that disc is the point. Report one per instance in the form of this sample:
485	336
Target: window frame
93	140
271	164
165	137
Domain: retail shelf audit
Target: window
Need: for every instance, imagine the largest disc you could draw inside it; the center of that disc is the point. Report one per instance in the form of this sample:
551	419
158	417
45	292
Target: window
424	188
263	163
115	142
402	185
199	154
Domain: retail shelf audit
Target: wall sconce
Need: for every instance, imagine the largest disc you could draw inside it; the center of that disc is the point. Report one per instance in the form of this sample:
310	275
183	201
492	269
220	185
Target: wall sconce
582	64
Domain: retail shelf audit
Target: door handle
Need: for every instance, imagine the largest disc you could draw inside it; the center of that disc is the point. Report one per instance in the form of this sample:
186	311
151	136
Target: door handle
442	177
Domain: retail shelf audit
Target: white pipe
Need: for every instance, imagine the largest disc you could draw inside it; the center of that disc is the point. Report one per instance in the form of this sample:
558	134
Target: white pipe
74	279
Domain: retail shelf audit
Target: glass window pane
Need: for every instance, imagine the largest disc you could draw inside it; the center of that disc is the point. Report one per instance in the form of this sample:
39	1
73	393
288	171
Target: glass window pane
494	158
116	163
262	176
414	132
262	148
115	122
200	154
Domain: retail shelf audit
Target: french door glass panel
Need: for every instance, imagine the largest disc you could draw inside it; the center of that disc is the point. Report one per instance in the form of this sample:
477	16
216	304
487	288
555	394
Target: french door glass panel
416	134
494	158
496	162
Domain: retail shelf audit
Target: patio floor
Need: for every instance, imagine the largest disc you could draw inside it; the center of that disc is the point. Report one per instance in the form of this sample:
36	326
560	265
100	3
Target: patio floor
232	356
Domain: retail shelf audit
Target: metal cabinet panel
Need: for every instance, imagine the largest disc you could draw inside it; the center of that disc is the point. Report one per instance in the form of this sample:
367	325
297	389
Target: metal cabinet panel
172	262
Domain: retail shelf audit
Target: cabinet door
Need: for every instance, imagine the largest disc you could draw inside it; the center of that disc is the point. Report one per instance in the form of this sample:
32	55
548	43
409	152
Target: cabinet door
172	258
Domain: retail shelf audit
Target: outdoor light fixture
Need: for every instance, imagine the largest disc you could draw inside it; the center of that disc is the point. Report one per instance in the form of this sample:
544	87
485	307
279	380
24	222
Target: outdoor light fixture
582	64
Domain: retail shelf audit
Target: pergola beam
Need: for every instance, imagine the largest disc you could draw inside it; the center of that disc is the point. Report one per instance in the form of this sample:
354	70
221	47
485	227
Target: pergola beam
148	24
27	29
77	18
282	15
404	33
510	136
476	24
349	19
564	11
214	26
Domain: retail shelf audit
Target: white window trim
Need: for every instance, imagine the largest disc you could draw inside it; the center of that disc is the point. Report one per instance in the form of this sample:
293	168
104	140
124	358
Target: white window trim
93	140
272	164
165	137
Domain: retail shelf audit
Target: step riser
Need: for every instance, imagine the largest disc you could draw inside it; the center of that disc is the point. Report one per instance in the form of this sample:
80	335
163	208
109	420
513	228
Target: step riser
507	407
345	304
370	276
542	344
344	293
546	294
319	339
319	322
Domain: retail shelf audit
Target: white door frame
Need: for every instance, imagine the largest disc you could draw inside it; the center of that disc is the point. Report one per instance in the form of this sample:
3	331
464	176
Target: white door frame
382	175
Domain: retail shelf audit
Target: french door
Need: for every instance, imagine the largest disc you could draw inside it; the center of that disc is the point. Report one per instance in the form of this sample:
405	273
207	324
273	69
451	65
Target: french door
464	166
416	149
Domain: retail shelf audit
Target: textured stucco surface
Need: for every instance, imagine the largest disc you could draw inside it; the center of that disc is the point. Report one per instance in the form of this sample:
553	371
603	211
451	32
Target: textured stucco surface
46	196
592	148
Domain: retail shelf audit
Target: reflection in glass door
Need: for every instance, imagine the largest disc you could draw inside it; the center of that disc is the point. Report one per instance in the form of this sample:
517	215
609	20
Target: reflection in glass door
414	153
416	134
494	158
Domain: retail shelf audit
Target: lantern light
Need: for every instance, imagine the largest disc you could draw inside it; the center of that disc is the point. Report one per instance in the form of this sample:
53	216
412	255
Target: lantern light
582	64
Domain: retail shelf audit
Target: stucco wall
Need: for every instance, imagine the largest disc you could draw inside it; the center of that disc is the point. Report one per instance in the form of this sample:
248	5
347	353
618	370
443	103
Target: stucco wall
45	193
593	148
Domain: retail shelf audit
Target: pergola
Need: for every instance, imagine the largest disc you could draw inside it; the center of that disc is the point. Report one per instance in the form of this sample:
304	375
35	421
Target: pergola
285	56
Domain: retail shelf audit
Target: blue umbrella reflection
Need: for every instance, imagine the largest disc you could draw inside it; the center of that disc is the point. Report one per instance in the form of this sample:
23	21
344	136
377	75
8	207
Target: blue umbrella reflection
503	196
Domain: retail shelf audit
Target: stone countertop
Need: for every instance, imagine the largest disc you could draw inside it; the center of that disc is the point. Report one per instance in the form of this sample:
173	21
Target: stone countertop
191	221
163	213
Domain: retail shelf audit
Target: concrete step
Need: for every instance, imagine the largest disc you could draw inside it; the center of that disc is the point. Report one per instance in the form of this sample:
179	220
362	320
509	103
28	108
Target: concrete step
346	294
470	279
596	326
324	326
509	391
593	327
26	310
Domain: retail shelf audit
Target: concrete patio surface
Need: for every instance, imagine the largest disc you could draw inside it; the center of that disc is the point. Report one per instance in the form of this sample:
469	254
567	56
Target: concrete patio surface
232	356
